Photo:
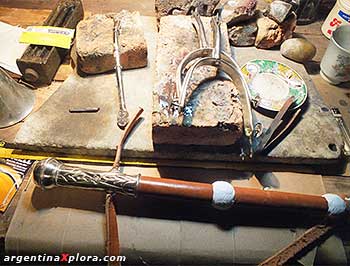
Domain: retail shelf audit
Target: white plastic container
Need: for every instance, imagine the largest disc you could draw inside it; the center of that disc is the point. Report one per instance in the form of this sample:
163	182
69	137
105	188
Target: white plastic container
339	15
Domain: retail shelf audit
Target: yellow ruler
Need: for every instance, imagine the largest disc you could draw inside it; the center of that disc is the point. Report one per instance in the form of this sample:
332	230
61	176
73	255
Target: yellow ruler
29	155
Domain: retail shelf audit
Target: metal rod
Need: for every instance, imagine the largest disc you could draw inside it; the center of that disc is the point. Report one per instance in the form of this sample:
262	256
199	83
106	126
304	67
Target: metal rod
84	110
123	115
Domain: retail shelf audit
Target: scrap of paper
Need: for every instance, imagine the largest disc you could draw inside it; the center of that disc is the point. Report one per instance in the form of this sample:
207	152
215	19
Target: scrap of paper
10	47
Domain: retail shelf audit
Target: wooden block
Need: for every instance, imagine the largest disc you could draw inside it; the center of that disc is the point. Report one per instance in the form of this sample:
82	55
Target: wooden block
217	115
38	63
95	42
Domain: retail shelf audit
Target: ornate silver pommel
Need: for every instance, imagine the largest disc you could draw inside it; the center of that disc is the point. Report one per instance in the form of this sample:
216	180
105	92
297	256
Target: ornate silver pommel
44	173
50	173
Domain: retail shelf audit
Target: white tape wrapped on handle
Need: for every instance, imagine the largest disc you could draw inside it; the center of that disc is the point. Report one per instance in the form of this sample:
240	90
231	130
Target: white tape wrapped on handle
223	195
336	205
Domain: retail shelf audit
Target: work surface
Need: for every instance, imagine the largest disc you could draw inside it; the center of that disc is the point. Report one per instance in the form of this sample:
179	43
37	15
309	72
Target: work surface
54	129
334	96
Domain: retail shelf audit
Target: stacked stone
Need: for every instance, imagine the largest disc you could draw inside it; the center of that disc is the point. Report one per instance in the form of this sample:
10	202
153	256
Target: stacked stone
248	27
276	25
240	16
182	7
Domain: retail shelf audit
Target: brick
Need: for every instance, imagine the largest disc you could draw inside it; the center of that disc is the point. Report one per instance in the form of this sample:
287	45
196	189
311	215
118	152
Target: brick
217	118
95	42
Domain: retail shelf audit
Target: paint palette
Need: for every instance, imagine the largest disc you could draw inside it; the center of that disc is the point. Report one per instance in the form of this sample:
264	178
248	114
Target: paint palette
271	83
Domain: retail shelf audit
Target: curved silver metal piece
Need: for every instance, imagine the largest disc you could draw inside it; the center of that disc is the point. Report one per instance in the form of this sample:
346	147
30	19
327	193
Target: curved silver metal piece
232	70
16	101
215	57
203	41
203	51
193	57
216	26
50	173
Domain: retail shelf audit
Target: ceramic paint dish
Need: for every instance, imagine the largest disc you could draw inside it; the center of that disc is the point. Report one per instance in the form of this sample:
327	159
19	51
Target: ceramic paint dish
271	83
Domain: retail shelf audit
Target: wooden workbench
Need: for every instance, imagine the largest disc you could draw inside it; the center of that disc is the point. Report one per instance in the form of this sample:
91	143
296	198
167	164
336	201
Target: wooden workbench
33	12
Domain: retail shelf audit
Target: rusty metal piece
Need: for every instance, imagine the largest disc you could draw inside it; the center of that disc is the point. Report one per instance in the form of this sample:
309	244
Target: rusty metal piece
305	242
284	129
265	138
38	63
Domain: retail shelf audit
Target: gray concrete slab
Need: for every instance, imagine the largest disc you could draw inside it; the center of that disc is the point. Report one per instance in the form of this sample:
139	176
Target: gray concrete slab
53	128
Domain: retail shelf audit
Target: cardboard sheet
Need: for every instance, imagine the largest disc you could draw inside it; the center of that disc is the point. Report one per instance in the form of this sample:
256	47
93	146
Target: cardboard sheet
153	230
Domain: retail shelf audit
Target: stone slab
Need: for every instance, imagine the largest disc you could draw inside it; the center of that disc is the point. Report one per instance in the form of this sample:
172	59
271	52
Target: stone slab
307	143
213	111
316	130
95	42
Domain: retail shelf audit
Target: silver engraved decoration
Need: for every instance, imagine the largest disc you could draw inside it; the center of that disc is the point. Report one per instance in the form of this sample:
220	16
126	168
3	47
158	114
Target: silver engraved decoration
50	173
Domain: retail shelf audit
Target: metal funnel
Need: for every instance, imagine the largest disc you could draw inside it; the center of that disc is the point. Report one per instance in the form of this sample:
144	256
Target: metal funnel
16	101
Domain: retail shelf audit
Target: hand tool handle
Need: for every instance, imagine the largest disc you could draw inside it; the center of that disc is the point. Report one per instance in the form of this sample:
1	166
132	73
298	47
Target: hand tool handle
50	173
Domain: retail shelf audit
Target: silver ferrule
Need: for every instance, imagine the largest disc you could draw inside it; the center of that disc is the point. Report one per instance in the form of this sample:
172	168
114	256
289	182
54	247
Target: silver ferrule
50	173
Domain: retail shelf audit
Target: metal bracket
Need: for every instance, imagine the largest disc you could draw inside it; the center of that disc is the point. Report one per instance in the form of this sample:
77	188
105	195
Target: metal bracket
213	56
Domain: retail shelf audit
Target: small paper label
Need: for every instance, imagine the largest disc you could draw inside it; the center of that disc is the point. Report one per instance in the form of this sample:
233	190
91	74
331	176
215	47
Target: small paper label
48	36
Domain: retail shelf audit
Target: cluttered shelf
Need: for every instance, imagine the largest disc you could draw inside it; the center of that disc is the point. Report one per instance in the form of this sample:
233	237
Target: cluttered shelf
26	135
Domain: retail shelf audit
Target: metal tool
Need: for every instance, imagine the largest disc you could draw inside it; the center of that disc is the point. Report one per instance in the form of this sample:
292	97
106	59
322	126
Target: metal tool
264	140
203	51
16	101
123	115
84	110
205	56
50	173
38	63
344	129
